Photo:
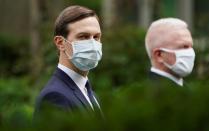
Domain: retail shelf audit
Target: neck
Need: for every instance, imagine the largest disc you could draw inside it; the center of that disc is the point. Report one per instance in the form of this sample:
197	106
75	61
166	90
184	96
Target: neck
64	61
165	69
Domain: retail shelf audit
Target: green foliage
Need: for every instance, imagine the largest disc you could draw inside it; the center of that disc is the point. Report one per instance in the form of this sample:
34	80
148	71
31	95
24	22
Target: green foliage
134	107
13	53
16	100
140	107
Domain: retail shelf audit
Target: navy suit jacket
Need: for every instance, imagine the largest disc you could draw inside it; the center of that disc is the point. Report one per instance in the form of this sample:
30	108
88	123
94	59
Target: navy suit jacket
62	92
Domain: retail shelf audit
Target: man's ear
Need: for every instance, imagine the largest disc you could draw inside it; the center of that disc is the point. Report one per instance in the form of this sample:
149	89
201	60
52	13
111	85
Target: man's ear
59	42
158	55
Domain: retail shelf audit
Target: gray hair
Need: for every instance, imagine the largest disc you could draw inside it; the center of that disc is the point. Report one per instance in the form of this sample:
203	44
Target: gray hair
157	28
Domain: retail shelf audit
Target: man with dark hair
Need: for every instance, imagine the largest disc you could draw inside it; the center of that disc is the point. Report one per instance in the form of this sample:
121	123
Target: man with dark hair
77	36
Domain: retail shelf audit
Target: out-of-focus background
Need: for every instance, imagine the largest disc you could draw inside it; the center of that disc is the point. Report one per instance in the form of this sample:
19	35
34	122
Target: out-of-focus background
28	56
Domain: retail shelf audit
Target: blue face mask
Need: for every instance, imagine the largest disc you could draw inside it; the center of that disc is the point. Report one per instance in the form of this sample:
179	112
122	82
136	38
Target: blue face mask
86	54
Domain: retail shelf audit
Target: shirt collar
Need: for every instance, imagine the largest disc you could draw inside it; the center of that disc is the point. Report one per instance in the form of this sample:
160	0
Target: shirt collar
169	76
79	80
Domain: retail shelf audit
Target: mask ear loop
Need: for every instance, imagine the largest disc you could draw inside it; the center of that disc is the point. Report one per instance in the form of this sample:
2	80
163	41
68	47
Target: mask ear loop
166	50
169	51
69	57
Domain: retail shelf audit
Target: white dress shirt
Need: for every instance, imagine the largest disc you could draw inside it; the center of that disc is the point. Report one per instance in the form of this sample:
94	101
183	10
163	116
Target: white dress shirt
79	80
178	81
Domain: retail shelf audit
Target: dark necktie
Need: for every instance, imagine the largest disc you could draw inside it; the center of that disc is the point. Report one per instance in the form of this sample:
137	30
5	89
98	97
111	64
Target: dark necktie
95	105
91	96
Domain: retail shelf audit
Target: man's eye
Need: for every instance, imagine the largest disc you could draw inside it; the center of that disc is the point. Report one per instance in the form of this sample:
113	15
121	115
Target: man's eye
186	46
83	37
96	38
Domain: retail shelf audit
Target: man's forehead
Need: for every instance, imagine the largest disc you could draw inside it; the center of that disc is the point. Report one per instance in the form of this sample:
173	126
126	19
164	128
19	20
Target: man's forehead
179	38
174	38
88	25
183	34
86	30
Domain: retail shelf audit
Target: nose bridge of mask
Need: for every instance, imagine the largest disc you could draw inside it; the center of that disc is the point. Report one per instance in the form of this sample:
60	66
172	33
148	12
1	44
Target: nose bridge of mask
180	52
186	52
82	45
87	45
95	45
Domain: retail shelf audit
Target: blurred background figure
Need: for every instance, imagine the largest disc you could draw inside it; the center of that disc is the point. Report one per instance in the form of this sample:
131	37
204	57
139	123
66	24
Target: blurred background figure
169	46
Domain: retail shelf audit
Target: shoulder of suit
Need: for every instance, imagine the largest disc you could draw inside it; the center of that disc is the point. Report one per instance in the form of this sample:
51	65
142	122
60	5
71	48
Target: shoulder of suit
55	88
55	97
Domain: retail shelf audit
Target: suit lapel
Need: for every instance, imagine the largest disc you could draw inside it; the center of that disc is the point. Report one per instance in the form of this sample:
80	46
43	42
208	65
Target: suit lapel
71	84
82	98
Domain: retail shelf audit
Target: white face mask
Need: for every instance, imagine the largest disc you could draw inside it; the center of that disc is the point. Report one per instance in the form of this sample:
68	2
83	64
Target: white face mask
184	61
86	54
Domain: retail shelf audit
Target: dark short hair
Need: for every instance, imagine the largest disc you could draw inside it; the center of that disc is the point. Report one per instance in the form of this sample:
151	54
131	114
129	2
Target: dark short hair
70	15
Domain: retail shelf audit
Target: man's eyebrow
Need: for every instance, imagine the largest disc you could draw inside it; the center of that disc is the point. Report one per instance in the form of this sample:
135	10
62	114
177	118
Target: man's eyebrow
83	33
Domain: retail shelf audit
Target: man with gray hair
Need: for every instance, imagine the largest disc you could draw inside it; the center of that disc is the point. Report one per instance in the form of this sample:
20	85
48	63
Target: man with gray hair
169	46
